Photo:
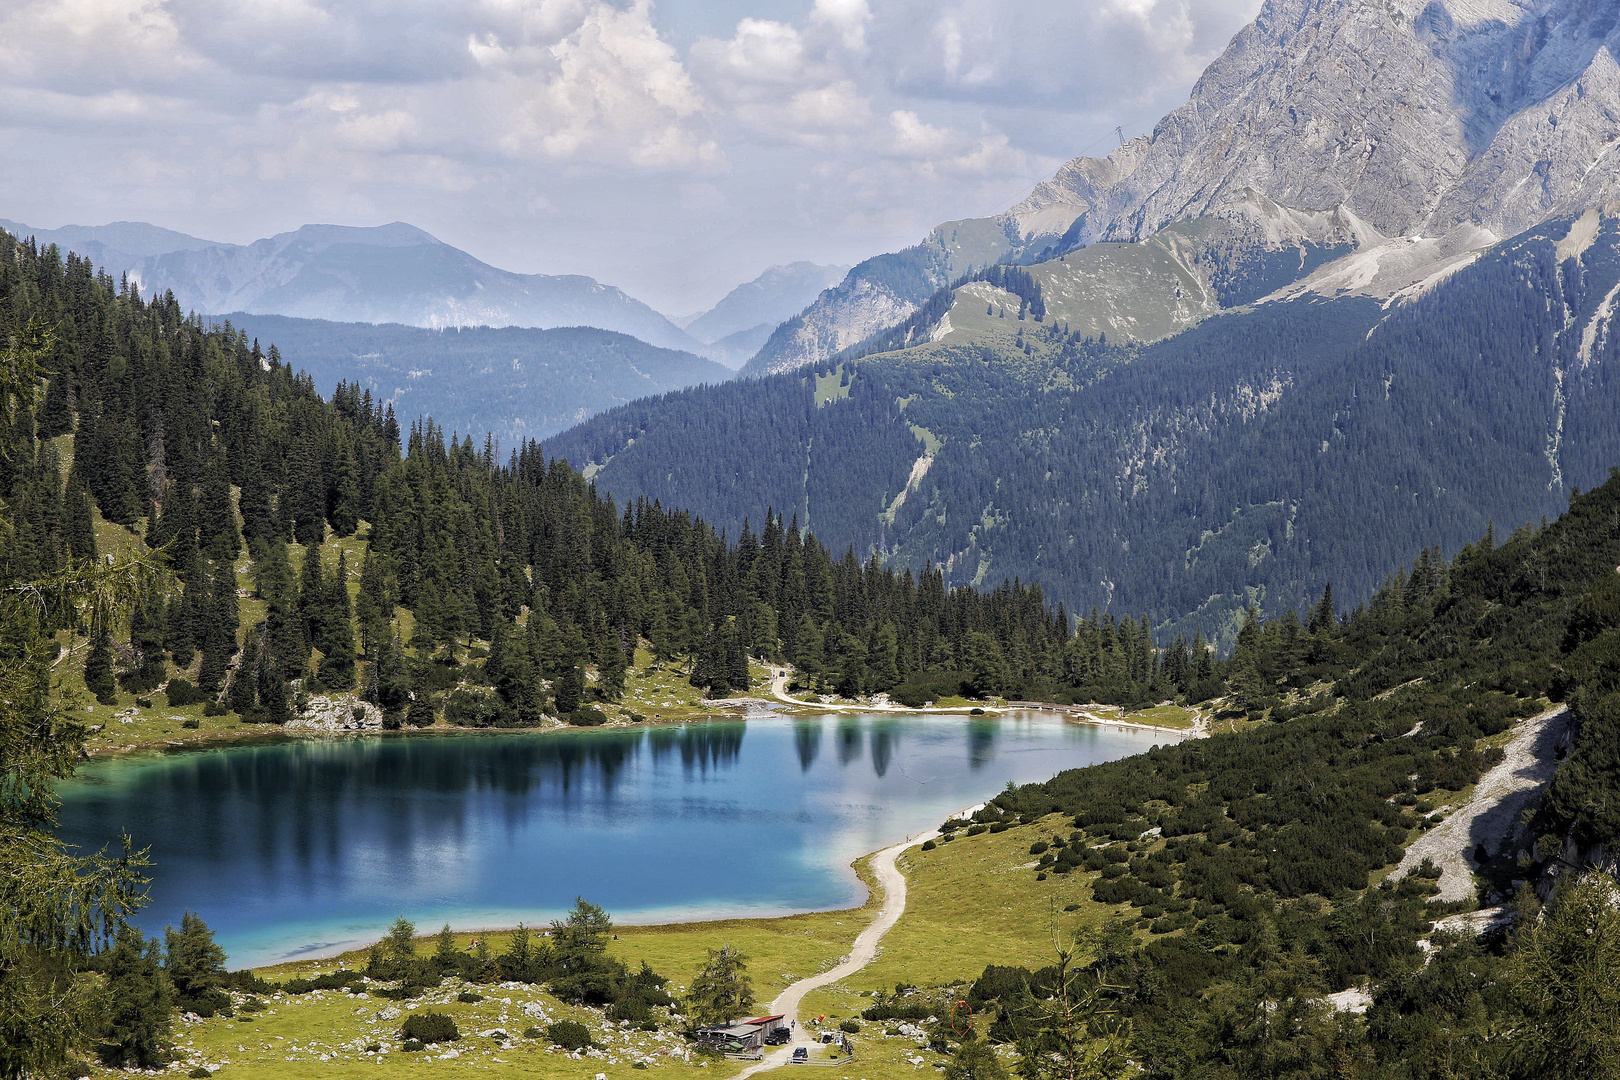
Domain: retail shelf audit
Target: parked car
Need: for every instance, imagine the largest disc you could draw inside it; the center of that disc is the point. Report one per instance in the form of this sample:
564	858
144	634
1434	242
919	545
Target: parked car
778	1037
801	1053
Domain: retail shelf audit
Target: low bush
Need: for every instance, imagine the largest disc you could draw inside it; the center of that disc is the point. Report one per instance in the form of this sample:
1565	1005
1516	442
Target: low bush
850	1027
191	725
431	1027
412	1046
569	1034
470	998
199	1073
533	1033
342	979
587	716
929	845
181	693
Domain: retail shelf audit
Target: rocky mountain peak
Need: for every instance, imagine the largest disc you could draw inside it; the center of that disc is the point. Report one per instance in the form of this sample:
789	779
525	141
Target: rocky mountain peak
1415	117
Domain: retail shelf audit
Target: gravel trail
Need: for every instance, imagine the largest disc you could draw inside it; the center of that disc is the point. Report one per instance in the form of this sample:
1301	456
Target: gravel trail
860	954
1489	815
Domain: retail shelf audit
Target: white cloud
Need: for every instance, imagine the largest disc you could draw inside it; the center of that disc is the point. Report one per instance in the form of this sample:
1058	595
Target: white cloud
594	136
611	85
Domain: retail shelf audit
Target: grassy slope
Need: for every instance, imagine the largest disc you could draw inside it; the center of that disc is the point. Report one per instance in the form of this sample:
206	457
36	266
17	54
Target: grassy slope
661	694
969	904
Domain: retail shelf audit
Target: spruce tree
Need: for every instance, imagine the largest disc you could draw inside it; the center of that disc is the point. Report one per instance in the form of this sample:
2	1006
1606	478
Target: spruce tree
243	695
216	520
611	668
313	601
275	706
98	666
78	519
337	666
195	966
138	1021
569	686
373	607
56	415
420	714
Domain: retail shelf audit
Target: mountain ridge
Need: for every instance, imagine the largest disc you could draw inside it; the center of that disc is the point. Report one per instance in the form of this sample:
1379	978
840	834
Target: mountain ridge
1458	121
338	273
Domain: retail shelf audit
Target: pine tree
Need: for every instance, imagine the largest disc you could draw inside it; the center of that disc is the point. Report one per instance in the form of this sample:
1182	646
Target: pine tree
611	668
78	519
374	606
195	966
98	666
137	1026
421	714
216	520
56	416
274	703
569	686
243	695
722	991
337	666
313	600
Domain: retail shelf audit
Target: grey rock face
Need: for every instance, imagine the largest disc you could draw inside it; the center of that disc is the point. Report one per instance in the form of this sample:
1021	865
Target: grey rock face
1460	121
1414	117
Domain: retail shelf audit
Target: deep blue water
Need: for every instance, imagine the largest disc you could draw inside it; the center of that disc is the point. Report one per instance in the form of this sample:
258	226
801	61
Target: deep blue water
301	847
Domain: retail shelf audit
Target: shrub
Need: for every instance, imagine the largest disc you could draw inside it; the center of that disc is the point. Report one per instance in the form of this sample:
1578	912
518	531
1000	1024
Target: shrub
413	1045
929	845
372	1048
199	1073
587	716
975	712
469	997
975	830
850	1026
181	693
431	1027
143	702
214	708
533	1033
1038	847
569	1034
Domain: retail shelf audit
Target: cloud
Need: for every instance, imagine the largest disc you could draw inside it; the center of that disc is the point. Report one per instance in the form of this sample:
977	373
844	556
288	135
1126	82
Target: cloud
611	85
663	149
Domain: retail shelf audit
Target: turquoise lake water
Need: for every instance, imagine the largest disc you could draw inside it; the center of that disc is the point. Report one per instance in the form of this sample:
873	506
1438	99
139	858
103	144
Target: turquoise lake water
303	847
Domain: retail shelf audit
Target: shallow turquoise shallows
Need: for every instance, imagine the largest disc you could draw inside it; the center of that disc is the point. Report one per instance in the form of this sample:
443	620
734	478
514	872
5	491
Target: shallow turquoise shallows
299	848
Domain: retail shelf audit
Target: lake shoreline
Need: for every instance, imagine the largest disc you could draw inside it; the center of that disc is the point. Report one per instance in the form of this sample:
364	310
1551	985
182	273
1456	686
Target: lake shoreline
727	709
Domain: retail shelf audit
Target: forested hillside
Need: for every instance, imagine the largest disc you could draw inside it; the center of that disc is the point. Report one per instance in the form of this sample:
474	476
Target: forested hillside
1233	464
514	382
1253	866
490	588
493	592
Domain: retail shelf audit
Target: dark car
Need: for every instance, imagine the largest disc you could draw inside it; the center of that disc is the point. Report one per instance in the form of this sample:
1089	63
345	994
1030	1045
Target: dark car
801	1053
777	1037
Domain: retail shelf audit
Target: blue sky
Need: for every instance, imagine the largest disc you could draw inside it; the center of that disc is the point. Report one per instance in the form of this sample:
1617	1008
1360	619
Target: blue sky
672	148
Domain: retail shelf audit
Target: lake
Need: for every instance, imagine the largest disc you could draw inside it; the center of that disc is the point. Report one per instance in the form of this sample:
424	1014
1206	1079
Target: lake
299	847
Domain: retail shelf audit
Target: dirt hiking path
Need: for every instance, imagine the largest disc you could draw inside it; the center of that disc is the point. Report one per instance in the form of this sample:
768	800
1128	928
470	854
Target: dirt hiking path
786	1004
